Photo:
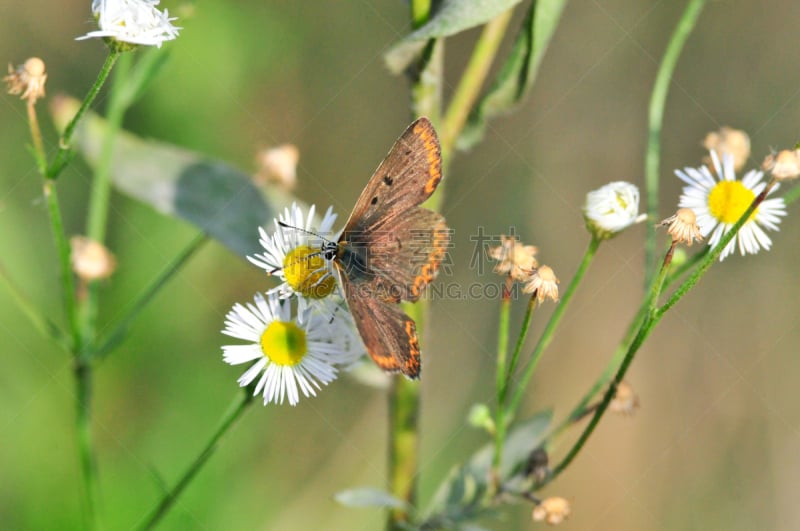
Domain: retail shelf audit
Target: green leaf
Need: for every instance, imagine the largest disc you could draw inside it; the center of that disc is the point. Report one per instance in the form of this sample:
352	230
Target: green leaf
369	497
212	195
461	493
453	16
518	73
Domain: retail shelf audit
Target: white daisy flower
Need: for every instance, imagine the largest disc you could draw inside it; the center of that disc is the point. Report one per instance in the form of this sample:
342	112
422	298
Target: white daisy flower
293	254
719	200
132	21
611	209
291	355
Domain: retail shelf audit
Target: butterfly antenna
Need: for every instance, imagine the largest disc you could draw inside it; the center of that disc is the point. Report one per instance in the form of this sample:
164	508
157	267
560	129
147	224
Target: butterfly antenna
287	226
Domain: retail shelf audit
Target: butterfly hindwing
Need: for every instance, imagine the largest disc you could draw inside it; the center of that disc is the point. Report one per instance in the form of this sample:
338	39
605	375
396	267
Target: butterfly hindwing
399	263
407	176
389	334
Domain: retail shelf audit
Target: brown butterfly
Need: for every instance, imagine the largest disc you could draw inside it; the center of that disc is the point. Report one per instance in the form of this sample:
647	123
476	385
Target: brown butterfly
391	248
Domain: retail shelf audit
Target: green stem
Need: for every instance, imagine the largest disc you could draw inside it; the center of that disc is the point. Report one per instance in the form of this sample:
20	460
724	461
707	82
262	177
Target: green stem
792	195
501	378
44	325
523	334
64	152
655	123
229	418
469	87
121	329
65	268
403	445
36	136
83	381
552	324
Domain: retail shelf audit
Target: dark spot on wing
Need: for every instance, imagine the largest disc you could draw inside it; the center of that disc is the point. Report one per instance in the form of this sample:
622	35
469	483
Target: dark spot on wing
408	152
399	243
388	179
374	200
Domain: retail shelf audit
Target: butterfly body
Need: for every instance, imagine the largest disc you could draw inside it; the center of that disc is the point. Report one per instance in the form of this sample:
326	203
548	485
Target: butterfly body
391	248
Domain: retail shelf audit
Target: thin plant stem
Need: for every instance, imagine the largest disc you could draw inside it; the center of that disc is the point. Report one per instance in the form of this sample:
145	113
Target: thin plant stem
83	382
403	445
65	268
655	124
792	195
230	417
36	137
124	324
523	334
471	82
64	151
550	328
44	325
501	376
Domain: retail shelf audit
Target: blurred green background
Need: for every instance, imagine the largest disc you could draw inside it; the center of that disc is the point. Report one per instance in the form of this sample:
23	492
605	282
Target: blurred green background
714	445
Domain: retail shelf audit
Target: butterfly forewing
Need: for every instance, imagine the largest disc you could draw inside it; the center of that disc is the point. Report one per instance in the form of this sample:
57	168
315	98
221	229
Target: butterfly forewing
407	176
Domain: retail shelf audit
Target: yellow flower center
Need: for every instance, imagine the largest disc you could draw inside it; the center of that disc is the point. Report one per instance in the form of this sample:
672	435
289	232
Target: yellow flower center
284	343
304	269
728	201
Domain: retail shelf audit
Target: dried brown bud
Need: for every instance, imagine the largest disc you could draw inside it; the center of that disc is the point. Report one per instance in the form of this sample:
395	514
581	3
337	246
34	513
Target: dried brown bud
278	165
734	142
552	510
90	259
27	79
783	165
515	260
683	226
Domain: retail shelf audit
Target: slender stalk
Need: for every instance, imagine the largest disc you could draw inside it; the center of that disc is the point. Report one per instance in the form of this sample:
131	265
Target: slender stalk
655	123
65	268
469	86
44	325
36	137
230	417
792	195
523	334
552	324
83	382
64	151
501	378
403	446
121	328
